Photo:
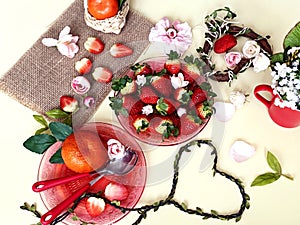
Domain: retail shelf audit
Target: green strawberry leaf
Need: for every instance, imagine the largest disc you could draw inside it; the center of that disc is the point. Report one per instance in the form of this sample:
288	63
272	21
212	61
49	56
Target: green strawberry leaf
264	179
292	39
57	114
278	57
40	119
39	143
60	131
56	157
273	162
41	130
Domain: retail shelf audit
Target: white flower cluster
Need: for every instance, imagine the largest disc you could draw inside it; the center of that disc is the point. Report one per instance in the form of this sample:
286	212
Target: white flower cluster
286	80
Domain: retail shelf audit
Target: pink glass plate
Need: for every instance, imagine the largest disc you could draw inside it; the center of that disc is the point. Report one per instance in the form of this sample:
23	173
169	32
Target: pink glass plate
152	138
134	181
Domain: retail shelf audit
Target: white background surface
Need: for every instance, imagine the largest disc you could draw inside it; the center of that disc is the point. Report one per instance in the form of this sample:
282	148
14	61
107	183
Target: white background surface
22	22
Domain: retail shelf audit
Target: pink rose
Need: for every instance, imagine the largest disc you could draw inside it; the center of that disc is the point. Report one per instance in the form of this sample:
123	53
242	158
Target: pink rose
115	149
232	59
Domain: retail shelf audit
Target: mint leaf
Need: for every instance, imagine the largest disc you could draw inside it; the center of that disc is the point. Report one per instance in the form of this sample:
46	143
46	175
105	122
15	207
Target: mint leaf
264	179
57	114
273	162
292	39
40	119
39	131
56	157
39	143
60	131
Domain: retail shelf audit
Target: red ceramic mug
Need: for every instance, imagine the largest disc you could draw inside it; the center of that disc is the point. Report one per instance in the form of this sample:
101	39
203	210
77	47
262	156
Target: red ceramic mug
285	117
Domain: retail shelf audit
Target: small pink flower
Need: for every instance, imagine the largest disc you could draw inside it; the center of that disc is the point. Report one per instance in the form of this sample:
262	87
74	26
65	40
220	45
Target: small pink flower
80	85
66	43
89	101
115	149
175	33
232	59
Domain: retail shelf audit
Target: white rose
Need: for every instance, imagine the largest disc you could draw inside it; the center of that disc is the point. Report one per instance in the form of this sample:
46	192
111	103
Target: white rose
237	98
251	49
261	62
115	149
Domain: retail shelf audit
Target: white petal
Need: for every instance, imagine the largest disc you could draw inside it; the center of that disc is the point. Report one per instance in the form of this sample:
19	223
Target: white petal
224	111
64	32
49	42
240	151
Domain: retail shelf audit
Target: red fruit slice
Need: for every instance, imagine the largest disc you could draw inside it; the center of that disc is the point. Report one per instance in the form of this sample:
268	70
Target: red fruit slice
188	125
83	66
102	74
115	191
68	103
163	85
119	50
225	43
141	69
198	96
94	45
94	206
148	96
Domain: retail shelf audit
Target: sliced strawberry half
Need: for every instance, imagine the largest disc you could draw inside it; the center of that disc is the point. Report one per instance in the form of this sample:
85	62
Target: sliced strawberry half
94	45
189	124
140	122
148	95
225	43
83	66
95	206
102	74
173	65
141	69
119	50
191	69
198	96
162	84
115	191
68	103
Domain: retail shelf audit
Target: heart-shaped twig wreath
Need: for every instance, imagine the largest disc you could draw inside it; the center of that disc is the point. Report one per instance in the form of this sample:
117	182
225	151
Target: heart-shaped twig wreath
143	210
221	36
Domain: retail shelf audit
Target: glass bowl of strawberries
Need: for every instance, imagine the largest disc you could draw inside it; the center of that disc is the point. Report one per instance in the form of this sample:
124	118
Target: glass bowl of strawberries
163	100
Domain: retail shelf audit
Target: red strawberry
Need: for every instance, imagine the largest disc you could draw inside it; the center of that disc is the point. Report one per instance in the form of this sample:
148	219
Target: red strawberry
141	69
119	50
94	206
162	84
182	95
140	122
115	191
165	107
165	126
129	88
225	43
190	69
136	108
203	110
198	96
173	65
102	74
94	45
68	103
148	95
189	124
83	66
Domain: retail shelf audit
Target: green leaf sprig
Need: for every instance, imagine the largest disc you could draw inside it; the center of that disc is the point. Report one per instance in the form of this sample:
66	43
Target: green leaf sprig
270	177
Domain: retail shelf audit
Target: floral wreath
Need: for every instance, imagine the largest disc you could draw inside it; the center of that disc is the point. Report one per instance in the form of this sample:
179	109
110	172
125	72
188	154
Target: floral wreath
221	37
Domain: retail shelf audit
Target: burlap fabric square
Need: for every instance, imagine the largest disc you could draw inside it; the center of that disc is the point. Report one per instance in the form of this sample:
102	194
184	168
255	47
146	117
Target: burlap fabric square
42	74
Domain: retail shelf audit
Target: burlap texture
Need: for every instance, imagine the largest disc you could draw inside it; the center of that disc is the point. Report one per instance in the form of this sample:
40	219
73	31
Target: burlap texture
42	74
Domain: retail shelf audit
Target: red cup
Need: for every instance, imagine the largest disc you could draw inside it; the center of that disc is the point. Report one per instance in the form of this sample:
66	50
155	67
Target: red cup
285	117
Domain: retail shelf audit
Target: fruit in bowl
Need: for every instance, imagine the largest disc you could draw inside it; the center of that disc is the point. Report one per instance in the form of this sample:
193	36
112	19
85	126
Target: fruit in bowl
163	100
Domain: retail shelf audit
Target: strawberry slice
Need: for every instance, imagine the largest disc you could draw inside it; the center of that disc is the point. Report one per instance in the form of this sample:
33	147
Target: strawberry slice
94	45
225	43
189	124
162	84
148	96
119	50
102	74
83	66
94	206
173	65
115	191
68	103
141	69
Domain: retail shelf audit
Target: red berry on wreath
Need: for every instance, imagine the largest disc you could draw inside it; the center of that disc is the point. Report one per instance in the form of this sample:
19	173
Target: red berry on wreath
225	43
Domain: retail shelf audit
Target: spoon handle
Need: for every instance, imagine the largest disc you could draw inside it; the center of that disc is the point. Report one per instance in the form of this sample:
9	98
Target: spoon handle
46	184
48	217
